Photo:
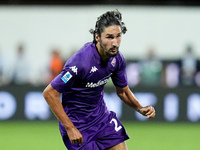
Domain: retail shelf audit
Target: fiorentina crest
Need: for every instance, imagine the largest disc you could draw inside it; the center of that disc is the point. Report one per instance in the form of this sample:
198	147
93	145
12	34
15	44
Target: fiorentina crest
113	62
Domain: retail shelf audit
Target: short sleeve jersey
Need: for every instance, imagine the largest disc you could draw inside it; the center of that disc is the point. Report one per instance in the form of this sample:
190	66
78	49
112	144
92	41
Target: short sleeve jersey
82	81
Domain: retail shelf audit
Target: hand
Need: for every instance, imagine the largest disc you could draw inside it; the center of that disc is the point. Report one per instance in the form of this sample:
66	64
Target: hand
74	135
148	111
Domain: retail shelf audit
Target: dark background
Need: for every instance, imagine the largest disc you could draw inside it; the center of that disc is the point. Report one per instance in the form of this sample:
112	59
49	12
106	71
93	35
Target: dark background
103	2
128	114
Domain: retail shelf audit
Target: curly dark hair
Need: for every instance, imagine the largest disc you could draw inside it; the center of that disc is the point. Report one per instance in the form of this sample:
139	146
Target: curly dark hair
108	19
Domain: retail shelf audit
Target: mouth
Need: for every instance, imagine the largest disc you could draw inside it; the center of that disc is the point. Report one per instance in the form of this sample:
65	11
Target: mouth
114	49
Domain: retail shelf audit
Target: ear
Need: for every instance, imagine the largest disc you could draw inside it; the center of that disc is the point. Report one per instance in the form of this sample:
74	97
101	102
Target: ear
97	38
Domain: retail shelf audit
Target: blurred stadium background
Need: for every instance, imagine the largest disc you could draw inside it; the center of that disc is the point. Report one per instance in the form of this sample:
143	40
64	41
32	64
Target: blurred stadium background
163	67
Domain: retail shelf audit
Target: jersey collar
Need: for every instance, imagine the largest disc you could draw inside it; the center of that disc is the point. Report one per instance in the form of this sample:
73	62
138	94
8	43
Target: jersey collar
97	55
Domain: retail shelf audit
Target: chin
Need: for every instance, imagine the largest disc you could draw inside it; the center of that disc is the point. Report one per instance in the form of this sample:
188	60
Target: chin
112	55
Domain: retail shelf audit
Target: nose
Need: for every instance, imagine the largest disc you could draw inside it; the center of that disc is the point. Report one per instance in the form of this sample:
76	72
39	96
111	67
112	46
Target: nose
115	42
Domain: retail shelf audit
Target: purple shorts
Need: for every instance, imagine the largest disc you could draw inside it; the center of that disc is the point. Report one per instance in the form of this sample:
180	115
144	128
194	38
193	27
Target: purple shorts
105	134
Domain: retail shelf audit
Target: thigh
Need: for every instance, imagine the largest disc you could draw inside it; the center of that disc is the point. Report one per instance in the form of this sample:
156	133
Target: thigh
113	134
121	146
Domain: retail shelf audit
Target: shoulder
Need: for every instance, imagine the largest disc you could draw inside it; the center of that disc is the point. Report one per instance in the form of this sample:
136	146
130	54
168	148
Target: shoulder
82	54
120	59
81	59
120	56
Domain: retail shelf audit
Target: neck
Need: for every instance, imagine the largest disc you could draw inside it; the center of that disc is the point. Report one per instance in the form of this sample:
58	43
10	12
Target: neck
100	50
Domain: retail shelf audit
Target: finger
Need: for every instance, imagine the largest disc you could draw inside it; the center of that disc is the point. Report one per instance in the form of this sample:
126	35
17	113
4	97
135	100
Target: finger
149	111
74	141
152	115
81	141
143	111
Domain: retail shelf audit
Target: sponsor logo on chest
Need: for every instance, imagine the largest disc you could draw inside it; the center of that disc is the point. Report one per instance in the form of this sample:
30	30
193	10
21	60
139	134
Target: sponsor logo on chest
98	83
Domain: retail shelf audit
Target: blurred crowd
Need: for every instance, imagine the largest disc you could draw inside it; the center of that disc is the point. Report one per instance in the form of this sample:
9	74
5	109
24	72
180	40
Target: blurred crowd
149	71
19	72
152	71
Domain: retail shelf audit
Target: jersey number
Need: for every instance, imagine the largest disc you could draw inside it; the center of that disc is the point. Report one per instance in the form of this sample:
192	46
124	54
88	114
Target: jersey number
117	128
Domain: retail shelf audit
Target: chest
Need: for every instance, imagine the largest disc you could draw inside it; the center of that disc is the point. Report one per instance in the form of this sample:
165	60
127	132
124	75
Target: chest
97	74
101	71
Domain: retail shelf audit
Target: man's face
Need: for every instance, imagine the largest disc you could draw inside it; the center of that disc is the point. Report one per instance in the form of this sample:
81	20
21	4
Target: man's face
109	42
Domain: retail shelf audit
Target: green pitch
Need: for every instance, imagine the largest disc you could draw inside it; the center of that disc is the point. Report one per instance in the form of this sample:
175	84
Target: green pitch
163	136
152	136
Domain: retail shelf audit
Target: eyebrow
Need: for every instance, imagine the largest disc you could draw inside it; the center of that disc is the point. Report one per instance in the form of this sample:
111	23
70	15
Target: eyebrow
112	34
109	34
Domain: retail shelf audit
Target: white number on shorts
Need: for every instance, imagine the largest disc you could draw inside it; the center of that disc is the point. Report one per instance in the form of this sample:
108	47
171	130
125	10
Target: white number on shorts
117	128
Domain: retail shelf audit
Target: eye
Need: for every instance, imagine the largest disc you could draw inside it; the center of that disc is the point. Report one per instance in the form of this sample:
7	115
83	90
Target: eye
119	35
110	37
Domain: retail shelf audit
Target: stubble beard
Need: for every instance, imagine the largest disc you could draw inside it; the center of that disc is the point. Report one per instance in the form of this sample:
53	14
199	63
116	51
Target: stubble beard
107	52
111	55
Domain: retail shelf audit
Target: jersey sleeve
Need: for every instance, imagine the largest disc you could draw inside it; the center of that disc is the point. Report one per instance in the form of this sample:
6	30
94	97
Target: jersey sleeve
70	73
119	77
65	79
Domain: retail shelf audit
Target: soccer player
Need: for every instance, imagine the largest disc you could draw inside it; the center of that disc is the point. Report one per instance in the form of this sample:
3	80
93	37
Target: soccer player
84	121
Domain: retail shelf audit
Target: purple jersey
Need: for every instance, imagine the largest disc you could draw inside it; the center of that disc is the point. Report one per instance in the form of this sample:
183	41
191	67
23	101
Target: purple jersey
82	81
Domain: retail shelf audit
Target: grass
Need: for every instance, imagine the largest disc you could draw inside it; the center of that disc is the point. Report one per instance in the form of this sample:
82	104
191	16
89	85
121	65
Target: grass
152	136
30	136
160	136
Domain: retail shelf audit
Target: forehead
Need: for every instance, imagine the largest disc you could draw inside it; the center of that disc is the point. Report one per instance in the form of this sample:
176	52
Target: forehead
111	30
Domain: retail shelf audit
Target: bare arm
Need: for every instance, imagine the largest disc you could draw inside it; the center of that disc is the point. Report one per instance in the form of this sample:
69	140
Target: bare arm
128	97
53	99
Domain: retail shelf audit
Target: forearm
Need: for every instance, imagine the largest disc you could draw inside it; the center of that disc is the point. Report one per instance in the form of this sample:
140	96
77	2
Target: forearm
53	100
128	97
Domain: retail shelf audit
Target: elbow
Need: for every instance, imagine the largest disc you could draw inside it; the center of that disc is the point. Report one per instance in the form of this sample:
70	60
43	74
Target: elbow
50	93
121	95
120	92
45	94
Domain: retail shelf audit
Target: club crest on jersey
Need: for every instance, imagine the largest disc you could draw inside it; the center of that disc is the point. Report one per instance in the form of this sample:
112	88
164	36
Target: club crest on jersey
66	77
113	62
